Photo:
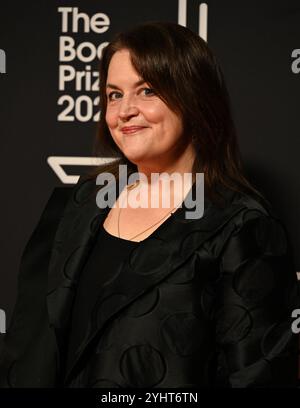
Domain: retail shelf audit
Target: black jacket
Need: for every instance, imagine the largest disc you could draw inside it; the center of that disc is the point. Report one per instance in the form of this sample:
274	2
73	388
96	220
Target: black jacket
201	302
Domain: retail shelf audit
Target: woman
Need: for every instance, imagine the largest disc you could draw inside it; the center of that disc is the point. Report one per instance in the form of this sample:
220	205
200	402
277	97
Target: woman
124	296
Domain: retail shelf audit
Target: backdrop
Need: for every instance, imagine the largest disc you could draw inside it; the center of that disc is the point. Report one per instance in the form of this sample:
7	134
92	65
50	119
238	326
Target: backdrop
49	56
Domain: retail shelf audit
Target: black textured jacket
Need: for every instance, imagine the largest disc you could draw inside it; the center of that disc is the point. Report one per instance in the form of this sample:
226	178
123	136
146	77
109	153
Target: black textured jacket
201	302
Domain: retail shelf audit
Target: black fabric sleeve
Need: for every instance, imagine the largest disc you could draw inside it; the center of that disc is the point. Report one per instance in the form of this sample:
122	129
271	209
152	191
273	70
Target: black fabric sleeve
257	292
28	335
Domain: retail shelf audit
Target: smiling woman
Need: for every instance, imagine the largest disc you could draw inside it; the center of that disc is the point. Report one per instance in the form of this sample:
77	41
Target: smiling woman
144	297
135	109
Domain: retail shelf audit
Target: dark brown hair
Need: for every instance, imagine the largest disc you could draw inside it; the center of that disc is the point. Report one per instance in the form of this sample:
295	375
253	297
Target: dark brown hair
184	72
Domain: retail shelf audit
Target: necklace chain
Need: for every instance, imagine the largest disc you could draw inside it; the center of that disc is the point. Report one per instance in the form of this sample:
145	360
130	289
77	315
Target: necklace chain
130	187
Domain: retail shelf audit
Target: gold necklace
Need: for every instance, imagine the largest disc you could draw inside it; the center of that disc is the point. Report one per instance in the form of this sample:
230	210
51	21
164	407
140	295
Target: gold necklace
130	187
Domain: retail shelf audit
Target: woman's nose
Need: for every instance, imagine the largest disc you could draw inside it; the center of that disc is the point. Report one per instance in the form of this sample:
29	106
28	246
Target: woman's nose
128	108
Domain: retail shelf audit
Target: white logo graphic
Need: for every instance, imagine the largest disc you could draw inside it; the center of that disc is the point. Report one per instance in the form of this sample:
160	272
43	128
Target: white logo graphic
203	15
79	78
56	163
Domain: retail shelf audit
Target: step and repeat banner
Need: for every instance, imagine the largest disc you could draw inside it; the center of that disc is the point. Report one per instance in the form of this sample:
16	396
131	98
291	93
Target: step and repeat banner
49	58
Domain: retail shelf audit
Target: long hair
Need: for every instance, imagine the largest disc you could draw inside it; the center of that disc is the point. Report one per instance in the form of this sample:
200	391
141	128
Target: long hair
185	73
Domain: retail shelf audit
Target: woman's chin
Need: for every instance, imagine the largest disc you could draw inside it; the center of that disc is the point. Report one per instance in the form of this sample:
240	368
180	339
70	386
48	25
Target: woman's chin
135	157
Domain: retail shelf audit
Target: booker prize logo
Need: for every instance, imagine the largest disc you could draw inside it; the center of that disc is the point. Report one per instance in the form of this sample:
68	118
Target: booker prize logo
78	82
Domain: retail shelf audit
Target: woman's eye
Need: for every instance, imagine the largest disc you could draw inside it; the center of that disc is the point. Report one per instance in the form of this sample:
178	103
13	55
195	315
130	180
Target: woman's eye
149	91
113	95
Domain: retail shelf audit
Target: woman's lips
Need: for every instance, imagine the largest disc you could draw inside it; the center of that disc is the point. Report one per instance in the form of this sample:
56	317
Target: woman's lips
132	129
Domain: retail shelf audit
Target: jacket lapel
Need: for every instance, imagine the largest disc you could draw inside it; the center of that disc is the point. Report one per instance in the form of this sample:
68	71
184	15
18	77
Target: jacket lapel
153	260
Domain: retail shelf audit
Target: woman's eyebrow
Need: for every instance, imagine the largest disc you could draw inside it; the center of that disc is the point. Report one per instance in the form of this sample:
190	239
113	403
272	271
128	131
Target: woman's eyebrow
112	86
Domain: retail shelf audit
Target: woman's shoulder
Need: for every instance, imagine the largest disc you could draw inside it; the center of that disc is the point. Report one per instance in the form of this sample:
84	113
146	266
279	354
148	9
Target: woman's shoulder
56	204
59	198
255	223
49	218
250	206
62	196
248	219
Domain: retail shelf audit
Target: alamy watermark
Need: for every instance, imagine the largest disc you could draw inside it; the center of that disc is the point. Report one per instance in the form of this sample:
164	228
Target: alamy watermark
175	185
2	321
295	66
296	323
2	62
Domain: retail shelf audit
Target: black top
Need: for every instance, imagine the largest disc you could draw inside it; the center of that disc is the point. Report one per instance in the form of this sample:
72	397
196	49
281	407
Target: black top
209	301
106	256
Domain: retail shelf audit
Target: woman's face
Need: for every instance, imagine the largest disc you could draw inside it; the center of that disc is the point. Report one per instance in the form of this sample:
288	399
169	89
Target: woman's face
141	124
